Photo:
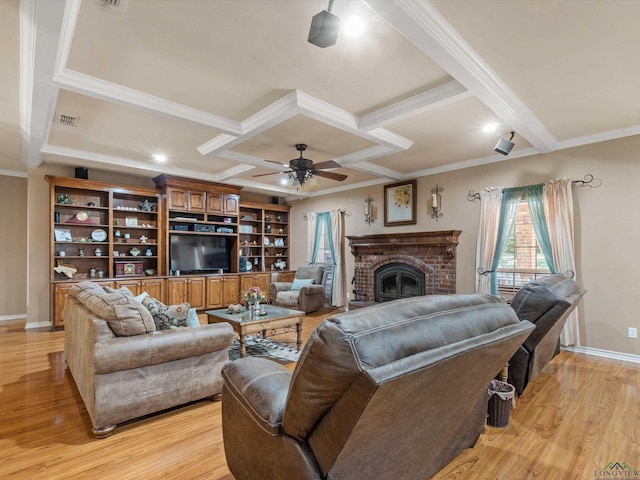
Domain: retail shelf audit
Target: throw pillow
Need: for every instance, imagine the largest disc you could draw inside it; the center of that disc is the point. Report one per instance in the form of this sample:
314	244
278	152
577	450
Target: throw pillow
192	318
298	283
166	317
125	316
123	290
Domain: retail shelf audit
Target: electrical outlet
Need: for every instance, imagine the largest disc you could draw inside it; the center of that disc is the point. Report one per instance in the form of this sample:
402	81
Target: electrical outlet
632	332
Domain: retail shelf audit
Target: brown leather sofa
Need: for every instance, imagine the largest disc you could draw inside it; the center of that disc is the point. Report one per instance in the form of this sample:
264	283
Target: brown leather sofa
395	390
307	298
545	302
124	368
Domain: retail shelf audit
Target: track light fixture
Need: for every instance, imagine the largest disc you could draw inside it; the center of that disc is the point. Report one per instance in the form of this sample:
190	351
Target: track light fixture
325	27
504	146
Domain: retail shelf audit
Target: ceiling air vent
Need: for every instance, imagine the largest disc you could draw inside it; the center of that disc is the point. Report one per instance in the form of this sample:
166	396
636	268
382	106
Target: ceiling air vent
67	120
118	5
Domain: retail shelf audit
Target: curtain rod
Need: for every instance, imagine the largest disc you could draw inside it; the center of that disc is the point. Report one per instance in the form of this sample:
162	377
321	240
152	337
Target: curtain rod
472	196
342	211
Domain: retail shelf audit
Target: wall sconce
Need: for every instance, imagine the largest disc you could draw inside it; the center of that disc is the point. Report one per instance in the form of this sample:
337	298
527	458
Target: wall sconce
436	202
368	211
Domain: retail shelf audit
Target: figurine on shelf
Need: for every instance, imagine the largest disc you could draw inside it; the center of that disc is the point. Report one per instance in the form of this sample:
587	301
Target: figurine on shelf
143	239
147	206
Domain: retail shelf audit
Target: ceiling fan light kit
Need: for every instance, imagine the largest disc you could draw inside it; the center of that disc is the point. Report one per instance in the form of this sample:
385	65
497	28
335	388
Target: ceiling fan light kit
302	169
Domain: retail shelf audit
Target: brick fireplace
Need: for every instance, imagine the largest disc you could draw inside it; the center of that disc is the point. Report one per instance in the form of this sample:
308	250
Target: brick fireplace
431	253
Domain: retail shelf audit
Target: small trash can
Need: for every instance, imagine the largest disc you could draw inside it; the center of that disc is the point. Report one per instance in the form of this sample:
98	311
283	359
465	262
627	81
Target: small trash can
501	398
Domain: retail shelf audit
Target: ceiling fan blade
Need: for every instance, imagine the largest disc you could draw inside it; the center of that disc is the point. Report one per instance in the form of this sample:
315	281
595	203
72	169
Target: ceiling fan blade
327	164
331	175
265	174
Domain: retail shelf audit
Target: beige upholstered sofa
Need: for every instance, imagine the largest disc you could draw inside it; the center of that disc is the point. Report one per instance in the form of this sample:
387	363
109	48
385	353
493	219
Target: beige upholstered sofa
305	293
395	390
124	368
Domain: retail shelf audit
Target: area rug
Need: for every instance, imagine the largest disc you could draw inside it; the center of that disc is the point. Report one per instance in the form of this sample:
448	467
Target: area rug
266	348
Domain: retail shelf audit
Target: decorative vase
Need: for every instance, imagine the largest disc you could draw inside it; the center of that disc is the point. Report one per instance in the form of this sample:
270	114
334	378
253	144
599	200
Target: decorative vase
253	307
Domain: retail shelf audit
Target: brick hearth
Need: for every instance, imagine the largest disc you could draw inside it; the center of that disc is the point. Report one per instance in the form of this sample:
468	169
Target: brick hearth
433	253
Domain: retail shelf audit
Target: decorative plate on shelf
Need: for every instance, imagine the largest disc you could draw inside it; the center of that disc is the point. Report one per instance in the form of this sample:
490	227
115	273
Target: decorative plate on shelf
134	251
266	241
98	235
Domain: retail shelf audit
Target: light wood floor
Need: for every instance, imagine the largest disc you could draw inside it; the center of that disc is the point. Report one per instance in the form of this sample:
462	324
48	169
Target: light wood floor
579	415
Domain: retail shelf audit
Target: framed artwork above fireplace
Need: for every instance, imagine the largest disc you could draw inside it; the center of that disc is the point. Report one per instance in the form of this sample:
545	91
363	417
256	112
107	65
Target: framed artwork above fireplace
400	203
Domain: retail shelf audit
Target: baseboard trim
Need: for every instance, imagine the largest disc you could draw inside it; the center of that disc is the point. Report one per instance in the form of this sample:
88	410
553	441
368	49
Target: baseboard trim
31	325
8	318
596	352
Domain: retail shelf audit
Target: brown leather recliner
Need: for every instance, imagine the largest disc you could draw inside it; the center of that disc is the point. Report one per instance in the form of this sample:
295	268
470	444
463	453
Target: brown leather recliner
545	302
395	390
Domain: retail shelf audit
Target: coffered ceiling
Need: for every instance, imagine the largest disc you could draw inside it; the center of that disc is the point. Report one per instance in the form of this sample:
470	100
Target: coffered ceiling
221	86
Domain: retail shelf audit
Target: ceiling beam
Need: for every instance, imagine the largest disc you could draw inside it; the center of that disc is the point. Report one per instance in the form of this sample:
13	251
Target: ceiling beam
420	22
410	107
41	26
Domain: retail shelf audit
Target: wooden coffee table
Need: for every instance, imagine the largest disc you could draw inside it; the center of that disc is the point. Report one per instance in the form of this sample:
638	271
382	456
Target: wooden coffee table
243	325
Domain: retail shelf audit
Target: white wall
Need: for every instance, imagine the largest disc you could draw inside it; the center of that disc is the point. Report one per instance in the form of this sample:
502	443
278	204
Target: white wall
607	227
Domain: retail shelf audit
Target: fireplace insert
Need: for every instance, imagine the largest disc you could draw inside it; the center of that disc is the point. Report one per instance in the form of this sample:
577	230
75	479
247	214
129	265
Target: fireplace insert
398	280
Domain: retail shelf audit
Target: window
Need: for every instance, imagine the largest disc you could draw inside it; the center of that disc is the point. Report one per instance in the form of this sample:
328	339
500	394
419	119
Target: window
325	259
522	259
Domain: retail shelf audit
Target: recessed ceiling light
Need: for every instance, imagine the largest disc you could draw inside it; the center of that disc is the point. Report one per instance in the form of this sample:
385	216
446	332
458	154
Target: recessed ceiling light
158	157
490	127
353	26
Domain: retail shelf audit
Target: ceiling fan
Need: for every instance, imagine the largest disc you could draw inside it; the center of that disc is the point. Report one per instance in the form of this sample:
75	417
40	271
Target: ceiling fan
303	169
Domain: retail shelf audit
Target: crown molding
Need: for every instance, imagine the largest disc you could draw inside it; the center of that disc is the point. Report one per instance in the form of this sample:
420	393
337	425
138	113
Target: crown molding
13	173
423	102
599	137
475	162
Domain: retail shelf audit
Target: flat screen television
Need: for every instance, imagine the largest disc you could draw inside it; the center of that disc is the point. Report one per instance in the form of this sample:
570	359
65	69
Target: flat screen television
198	253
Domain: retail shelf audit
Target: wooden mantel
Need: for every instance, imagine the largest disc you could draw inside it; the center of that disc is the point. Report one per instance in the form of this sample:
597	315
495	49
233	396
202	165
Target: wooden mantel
443	237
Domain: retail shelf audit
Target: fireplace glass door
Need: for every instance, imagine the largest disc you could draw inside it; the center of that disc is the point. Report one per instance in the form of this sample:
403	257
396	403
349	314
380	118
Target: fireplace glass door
398	280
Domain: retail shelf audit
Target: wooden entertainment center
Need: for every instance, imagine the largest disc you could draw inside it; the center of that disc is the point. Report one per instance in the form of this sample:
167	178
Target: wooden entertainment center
119	236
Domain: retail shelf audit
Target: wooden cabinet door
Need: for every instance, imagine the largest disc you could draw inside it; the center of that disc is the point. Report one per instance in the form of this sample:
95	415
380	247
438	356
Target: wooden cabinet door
283	276
183	199
231	204
176	291
133	286
187	289
230	290
215	203
214	292
196	287
197	201
261	280
177	198
155	287
60	292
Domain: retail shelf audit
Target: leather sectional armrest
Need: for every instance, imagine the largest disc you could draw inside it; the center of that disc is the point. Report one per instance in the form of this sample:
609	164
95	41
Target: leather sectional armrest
260	386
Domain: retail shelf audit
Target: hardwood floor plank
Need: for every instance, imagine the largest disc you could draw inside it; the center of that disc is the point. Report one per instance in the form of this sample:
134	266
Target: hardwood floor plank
578	415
